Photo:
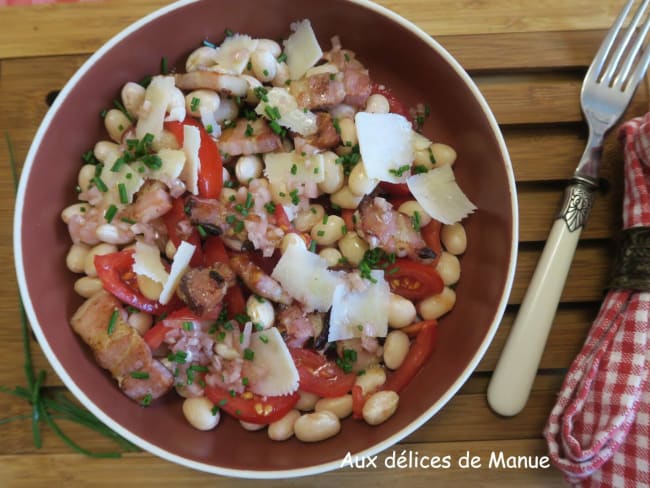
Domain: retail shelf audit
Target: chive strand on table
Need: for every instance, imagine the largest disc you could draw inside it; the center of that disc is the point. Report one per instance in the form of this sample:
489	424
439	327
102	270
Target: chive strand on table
48	408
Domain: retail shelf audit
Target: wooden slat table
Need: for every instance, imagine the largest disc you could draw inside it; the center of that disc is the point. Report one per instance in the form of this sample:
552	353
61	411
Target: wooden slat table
528	58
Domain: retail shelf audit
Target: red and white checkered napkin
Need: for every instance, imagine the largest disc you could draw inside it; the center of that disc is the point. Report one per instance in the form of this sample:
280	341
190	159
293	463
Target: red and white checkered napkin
598	432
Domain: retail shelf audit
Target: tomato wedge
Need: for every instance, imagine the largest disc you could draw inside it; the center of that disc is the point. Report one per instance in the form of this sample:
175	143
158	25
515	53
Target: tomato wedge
116	274
420	351
172	219
175	320
214	251
413	280
211	166
358	401
250	407
431	236
321	376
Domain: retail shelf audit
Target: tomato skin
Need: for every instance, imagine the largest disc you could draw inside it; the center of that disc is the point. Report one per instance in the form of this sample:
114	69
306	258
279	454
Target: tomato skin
413	280
431	236
171	220
112	269
395	105
358	401
321	376
214	251
420	351
396	189
244	408
211	168
154	337
348	217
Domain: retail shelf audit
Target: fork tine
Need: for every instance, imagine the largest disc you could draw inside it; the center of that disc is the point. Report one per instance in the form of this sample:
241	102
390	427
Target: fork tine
623	44
608	42
631	56
638	73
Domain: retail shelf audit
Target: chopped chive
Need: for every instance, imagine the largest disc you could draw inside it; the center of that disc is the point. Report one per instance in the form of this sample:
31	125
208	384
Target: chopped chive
264	339
244	381
294	197
146	401
400	171
282	57
419	168
392	270
140	375
99	183
215	410
249	130
227	32
202	231
325	219
163	65
222	402
249	200
194	104
294	169
207	43
270	207
110	213
312	246
265	72
337	127
257	326
344	229
112	322
122	109
124	198
249	354
188	326
238	227
320	233
232	393
415	220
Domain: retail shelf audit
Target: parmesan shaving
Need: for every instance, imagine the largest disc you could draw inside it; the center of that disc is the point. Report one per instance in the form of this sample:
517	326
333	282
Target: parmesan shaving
157	98
386	146
302	49
179	266
360	312
291	116
271	371
235	52
440	195
304	276
147	262
191	145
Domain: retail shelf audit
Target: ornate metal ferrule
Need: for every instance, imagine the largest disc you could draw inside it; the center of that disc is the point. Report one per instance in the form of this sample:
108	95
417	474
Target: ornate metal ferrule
631	269
578	199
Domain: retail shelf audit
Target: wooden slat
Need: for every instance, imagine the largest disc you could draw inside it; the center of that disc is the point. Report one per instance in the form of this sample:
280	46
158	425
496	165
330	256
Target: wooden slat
587	277
148	471
82	28
534	50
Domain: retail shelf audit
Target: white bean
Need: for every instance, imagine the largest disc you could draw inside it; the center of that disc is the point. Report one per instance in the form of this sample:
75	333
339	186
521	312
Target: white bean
307	401
113	234
331	255
280	194
317	426
260	311
133	97
352	247
414	210
269	45
98	250
76	258
436	306
328	231
443	154
371	380
348	132
86	173
308	217
364	359
74	209
202	57
140	321
339	406
359	182
454	238
167	140
198	100
282	429
448	268
250	426
281	76
377	104
116	124
424	157
419	141
247	168
225	351
344	198
380	407
200	413
88	287
291	239
148	287
228	110
333	176
401	311
264	64
170	249
228	195
106	152
396	347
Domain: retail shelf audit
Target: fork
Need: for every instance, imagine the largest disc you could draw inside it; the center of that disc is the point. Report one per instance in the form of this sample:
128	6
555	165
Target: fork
618	67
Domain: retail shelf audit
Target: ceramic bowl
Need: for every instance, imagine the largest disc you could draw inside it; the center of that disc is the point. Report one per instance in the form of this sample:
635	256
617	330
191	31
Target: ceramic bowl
399	55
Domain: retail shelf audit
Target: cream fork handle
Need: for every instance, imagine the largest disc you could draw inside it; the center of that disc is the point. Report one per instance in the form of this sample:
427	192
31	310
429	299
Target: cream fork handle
517	367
